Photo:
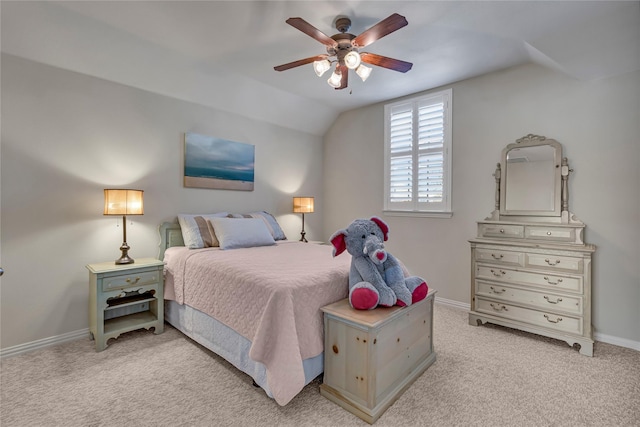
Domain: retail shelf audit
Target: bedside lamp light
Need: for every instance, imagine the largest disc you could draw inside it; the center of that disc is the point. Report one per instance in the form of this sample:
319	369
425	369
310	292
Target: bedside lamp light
303	205
123	202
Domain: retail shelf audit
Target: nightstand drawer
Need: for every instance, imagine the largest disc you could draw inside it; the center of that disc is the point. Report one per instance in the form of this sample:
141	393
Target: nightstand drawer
128	280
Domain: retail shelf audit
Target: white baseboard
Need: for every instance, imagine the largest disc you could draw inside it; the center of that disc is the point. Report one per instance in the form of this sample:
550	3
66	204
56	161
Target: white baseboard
43	343
84	333
453	304
620	342
609	339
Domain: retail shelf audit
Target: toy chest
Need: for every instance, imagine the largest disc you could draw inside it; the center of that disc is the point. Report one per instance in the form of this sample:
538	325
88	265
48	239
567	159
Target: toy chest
372	356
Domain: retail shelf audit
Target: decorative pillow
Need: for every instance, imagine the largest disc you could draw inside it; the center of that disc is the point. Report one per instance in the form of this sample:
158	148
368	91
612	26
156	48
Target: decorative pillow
241	233
269	220
196	231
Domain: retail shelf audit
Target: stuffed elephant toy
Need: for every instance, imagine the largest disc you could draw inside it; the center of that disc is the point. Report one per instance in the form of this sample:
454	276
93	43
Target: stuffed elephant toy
376	277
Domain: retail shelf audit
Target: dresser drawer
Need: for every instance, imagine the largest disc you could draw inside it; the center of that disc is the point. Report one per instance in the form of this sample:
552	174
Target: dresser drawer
544	300
551	281
542	318
502	231
498	256
555	262
550	234
123	281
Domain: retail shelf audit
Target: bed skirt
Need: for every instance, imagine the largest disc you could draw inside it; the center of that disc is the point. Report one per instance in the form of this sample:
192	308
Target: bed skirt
227	343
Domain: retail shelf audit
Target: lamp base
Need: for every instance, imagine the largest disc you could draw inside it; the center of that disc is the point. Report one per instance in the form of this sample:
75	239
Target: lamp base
303	239
125	258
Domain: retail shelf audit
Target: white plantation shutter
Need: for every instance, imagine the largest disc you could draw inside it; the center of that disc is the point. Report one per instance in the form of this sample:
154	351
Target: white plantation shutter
417	154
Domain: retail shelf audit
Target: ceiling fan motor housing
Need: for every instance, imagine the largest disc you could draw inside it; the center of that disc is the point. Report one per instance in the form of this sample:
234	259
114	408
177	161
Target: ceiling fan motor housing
343	24
343	47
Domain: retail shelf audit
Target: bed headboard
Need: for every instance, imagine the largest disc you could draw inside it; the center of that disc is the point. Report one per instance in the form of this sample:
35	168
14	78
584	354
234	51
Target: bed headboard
170	235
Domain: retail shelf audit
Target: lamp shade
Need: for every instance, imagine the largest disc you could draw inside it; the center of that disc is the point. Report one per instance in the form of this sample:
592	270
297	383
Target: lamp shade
123	202
363	71
352	60
335	80
303	204
320	67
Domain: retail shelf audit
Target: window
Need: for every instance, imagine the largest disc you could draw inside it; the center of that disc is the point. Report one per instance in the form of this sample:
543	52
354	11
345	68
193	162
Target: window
418	155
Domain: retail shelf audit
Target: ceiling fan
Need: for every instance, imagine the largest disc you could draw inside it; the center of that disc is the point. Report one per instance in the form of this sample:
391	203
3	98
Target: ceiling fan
342	49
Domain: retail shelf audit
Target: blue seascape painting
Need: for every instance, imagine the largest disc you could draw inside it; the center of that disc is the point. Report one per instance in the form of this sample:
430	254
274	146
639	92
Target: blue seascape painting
211	162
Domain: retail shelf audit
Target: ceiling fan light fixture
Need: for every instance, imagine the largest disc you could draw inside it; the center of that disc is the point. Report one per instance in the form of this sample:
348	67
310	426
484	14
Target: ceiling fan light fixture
352	60
321	67
335	79
363	71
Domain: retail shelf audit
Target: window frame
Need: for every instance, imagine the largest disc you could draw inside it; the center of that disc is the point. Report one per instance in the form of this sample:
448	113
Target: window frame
415	207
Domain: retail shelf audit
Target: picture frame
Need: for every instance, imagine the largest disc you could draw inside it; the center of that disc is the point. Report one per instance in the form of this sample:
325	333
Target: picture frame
217	163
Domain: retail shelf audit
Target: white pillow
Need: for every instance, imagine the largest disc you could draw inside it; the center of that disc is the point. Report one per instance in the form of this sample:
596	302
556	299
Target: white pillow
241	232
195	230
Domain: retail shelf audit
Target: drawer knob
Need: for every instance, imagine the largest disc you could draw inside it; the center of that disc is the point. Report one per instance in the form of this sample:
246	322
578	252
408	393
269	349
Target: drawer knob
497	256
496	291
335	349
134	282
502	230
552	302
559	319
498	273
498	307
548	233
548	261
552	283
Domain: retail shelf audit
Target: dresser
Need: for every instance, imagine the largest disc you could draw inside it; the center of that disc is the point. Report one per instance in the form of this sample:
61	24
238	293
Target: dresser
530	265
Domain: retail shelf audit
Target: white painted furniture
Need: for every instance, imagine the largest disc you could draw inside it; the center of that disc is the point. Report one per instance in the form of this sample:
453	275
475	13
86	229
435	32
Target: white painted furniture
530	266
372	356
124	298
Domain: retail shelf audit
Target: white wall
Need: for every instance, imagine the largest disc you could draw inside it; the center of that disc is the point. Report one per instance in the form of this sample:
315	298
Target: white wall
66	137
596	122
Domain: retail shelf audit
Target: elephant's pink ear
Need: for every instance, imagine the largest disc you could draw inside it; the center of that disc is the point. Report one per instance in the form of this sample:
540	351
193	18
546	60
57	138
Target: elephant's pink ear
383	226
338	242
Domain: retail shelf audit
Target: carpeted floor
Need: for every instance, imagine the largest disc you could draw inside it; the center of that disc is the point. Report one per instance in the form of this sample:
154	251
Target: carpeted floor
483	376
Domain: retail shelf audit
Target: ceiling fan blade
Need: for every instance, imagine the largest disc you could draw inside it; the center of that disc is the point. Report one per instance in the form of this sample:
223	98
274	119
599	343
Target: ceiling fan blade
381	29
311	31
300	62
344	81
386	62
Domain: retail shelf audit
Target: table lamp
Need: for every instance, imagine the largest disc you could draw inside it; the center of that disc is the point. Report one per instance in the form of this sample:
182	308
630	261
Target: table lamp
123	202
303	205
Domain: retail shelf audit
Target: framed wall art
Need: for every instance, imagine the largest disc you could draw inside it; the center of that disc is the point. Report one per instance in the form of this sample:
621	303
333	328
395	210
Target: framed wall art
217	163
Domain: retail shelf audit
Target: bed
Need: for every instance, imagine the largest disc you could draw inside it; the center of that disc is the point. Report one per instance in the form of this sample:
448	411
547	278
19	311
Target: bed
257	307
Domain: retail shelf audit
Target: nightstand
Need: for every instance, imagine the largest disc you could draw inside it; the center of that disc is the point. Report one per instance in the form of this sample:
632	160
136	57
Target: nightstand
124	298
372	356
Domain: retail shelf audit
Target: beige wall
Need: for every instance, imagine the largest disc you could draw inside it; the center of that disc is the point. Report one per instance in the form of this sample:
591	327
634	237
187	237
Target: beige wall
65	137
596	122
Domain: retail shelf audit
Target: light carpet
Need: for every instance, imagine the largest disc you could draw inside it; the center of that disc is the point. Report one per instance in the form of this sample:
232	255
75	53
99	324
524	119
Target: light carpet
483	376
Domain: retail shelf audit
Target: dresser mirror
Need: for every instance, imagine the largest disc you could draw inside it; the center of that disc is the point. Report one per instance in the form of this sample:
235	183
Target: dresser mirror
531	178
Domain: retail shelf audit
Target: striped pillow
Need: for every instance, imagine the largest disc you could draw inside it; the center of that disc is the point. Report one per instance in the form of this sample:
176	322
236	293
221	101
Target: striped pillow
197	232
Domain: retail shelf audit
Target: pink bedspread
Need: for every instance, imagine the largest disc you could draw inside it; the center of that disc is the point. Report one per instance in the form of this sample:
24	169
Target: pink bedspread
271	295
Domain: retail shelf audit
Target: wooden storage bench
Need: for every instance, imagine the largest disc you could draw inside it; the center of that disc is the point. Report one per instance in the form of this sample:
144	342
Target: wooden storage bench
372	356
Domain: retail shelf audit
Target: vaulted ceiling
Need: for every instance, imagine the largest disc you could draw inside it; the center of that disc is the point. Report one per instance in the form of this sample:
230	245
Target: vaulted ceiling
222	53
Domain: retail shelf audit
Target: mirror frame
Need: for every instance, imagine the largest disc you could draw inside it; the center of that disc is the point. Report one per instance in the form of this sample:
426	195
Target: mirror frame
533	141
